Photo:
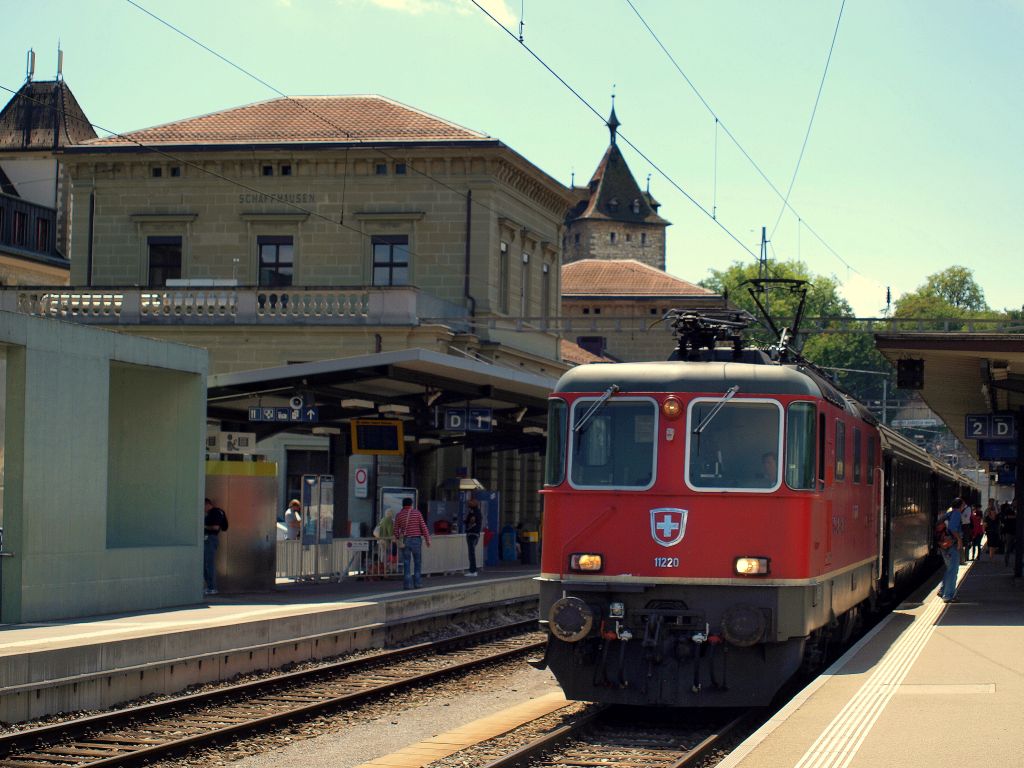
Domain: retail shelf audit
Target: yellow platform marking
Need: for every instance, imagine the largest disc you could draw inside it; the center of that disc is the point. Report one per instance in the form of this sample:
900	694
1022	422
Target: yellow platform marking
448	743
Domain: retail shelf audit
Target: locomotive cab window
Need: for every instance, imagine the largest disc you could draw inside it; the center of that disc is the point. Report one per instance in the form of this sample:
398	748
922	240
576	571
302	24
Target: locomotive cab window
737	447
554	457
613	446
800	446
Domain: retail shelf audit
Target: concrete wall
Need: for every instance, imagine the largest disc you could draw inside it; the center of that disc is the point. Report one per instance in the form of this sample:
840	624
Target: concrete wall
102	504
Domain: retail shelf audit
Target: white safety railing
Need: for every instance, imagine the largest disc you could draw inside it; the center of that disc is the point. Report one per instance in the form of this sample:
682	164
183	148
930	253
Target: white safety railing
368	558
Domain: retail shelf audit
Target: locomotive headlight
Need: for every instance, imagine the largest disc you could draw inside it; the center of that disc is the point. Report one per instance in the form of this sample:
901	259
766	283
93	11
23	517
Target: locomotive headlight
585	561
752	566
672	408
616	610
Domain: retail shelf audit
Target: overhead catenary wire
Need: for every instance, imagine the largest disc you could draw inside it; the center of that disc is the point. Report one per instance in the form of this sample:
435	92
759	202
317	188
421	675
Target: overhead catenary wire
735	141
619	134
810	123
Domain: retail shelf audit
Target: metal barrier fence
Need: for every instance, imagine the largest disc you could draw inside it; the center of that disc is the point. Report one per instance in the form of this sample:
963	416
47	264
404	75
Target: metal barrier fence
368	558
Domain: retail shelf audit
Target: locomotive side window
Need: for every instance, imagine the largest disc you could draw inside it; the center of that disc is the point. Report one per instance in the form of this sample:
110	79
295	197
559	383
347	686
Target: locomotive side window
871	460
554	457
856	455
738	448
821	449
840	450
800	446
614	448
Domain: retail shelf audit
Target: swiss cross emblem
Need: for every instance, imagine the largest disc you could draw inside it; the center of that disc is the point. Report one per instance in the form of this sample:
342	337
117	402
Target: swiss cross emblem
668	525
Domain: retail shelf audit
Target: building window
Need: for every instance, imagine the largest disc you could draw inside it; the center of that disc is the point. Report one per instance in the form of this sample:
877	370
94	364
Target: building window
277	260
613	204
164	260
524	288
503	278
19	235
391	260
576	238
545	292
400	169
286	170
613	236
629	237
382	169
636	206
175	171
595	345
157	172
268	170
643	238
42	235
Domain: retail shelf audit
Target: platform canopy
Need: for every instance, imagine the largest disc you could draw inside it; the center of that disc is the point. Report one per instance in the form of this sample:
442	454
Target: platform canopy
417	386
964	373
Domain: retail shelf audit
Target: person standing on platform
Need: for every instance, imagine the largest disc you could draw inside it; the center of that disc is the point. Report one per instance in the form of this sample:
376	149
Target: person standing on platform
293	519
951	556
965	532
214	522
994	542
473	526
976	532
411	531
1008	530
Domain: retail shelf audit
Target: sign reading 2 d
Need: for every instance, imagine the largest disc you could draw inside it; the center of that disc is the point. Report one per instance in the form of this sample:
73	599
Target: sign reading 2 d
990	426
467	419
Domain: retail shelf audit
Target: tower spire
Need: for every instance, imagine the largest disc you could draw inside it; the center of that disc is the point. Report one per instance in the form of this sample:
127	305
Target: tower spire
613	121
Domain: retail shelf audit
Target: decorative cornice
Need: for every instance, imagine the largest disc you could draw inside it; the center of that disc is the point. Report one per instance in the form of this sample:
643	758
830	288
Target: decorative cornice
389	215
162	218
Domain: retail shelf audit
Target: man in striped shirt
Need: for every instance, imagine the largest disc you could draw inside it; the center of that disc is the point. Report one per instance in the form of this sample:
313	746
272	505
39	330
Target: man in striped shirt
411	528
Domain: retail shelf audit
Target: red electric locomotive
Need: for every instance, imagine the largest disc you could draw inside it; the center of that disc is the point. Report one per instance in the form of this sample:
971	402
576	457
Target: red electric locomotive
711	521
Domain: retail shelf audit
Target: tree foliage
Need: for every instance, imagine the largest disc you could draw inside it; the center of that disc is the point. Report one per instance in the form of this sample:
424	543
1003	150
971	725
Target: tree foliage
950	295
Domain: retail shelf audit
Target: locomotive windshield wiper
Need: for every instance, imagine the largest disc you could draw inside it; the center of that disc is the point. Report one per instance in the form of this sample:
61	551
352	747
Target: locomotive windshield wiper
592	411
730	393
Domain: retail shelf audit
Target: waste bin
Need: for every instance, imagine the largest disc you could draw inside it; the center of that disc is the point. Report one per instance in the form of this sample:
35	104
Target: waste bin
508	543
530	545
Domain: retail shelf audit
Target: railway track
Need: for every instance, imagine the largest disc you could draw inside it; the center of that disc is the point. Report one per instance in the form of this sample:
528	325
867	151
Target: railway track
609	738
163	729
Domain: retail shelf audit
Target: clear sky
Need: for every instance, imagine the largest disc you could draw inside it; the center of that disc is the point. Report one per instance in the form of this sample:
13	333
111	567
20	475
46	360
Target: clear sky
915	161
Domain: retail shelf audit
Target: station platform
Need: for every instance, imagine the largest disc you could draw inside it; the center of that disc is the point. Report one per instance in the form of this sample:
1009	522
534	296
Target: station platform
934	684
97	662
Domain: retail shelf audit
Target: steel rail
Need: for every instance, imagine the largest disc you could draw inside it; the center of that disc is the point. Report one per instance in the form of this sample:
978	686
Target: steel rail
137	750
550	742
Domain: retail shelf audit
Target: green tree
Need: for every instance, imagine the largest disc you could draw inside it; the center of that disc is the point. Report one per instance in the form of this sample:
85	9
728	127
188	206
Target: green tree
950	295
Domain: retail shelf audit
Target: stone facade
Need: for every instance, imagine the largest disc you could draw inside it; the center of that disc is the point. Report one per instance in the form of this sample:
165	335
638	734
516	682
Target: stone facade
603	239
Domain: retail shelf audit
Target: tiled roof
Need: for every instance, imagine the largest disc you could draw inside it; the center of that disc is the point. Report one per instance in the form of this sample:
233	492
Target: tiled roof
615	195
304	120
623	277
43	115
577	355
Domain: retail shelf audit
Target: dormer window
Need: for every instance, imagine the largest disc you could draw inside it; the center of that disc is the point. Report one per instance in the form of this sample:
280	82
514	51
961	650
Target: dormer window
636	205
613	204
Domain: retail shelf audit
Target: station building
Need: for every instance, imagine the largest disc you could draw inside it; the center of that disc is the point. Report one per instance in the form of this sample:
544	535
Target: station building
307	229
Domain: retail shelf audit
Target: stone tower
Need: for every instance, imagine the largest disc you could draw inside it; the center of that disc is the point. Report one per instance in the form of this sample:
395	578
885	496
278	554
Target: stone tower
613	218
